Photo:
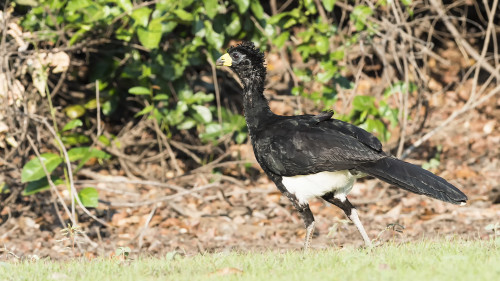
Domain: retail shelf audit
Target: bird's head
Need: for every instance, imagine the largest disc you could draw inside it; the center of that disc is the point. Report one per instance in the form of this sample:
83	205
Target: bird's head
245	60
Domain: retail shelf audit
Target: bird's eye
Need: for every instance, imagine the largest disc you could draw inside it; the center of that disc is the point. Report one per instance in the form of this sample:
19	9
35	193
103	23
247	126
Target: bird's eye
236	56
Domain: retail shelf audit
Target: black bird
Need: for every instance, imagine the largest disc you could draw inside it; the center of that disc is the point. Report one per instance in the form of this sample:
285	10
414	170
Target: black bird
316	156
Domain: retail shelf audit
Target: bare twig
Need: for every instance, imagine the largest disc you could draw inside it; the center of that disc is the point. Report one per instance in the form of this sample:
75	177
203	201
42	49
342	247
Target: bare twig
173	159
453	116
181	147
483	54
145	227
98	103
216	86
164	198
321	11
52	185
117	179
73	190
461	41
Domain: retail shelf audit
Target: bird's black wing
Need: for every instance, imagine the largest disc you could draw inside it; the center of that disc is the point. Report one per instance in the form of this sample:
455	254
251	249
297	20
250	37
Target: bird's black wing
353	131
323	116
294	147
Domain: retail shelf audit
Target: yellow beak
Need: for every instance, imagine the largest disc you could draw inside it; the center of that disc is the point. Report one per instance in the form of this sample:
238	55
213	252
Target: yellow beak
225	60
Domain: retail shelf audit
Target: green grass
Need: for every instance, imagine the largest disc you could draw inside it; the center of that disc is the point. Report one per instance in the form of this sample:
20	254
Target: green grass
441	260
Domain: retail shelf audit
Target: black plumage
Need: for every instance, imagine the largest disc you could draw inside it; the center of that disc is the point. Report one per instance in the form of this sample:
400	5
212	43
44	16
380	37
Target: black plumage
315	155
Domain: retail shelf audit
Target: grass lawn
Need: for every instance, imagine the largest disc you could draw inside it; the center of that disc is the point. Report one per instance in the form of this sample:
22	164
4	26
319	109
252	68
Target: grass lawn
421	260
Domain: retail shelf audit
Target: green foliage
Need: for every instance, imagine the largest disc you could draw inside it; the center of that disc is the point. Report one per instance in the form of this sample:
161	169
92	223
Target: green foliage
89	197
369	114
151	47
75	111
4	188
33	170
177	36
360	15
72	124
40	185
231	124
435	161
34	174
174	35
123	252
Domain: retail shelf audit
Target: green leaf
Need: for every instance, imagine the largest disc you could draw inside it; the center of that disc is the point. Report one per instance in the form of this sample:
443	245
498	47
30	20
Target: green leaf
400	87
72	124
326	76
74	139
322	44
124	34
211	7
213	38
432	164
77	35
162	97
91	104
343	82
338	54
85	152
289	23
257	9
281	39
276	18
241	137
360	15
183	15
151	37
212	131
235	26
4	188
141	16
203	112
139	91
40	185
329	4
75	5
123	251
75	111
33	170
297	90
104	140
186	125
362	103
145	110
125	5
242	5
89	197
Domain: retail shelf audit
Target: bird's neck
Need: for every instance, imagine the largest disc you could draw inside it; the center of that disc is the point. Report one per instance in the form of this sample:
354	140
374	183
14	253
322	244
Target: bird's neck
256	106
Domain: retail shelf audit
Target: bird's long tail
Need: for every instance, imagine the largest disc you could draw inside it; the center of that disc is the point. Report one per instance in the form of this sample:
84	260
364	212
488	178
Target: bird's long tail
415	179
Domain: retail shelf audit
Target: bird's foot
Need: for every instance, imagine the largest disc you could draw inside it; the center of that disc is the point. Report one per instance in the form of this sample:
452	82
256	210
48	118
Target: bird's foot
309	234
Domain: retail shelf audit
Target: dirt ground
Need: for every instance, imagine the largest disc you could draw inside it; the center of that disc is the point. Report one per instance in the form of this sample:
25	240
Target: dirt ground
250	214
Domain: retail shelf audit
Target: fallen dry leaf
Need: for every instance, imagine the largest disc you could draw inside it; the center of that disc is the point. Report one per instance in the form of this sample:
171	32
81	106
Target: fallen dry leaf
226	271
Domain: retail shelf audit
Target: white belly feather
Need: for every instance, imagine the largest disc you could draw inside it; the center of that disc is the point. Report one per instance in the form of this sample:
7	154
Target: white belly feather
316	185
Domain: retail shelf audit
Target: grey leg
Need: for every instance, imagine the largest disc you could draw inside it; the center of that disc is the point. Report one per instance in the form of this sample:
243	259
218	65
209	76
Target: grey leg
344	204
306	215
308	218
303	209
